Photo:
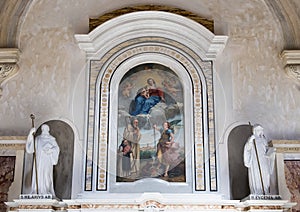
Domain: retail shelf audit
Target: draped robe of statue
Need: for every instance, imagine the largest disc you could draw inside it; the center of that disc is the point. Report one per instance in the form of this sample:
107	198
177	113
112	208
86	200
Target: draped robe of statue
260	162
47	152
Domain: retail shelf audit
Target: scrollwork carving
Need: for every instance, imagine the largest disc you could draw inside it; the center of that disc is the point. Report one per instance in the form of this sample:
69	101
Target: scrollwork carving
7	71
293	71
8	64
291	59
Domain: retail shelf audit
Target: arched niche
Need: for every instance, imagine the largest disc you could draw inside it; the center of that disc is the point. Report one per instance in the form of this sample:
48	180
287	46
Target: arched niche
238	173
62	171
160	38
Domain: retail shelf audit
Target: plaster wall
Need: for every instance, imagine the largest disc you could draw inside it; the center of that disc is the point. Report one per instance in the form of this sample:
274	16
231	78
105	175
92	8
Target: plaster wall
51	82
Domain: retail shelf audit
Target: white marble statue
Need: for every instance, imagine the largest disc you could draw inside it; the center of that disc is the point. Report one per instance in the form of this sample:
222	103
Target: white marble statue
259	159
47	152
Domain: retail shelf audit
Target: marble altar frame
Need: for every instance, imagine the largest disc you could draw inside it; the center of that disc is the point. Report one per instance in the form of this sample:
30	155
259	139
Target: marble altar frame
176	42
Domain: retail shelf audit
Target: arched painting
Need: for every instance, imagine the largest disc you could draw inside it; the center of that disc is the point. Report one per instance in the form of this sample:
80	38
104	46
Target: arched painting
150	125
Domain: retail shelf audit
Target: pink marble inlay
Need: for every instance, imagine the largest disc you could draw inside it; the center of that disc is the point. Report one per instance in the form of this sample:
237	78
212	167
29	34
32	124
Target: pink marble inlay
6	178
292	176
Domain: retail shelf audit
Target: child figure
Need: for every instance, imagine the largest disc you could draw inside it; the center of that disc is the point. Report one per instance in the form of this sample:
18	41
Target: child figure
125	148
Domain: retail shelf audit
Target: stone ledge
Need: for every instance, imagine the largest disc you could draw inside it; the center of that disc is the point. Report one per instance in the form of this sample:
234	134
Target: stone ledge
291	60
9	55
12	142
286	146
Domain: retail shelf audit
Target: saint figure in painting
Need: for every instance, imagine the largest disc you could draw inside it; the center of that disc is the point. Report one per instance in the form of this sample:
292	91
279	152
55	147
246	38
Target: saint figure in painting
125	148
133	136
167	149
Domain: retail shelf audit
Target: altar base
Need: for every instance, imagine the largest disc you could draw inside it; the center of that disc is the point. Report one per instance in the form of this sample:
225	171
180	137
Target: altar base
150	202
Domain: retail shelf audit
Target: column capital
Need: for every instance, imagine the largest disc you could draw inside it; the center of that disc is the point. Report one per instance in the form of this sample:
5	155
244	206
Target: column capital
8	64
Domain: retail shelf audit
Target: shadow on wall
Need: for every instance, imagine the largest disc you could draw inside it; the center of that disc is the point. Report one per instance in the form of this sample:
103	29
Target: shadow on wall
238	173
62	174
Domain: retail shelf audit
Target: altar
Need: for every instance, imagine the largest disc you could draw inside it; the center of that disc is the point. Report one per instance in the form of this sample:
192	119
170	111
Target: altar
151	202
150	141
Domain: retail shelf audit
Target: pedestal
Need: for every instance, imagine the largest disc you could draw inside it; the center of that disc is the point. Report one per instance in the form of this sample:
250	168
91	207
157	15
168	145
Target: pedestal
266	203
45	205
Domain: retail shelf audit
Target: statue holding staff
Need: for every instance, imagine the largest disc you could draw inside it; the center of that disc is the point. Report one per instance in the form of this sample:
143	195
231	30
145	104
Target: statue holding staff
46	152
259	159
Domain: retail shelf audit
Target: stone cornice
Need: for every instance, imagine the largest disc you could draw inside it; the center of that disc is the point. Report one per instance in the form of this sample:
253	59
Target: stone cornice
286	146
12	142
9	55
8	64
291	60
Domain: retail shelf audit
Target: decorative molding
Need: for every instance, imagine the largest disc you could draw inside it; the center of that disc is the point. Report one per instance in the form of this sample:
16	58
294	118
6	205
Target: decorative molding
8	64
132	56
151	24
291	59
177	203
286	146
12	143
